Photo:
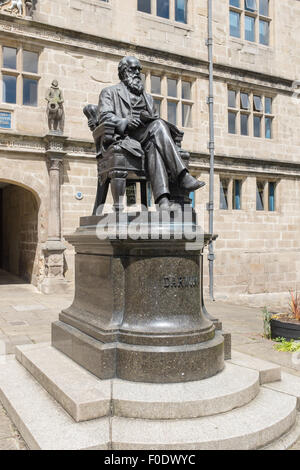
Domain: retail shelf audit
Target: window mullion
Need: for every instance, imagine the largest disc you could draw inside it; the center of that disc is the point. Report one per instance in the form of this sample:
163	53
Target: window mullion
256	28
19	98
243	32
230	188
238	117
172	10
164	92
19	60
263	126
148	82
153	7
179	105
266	196
250	122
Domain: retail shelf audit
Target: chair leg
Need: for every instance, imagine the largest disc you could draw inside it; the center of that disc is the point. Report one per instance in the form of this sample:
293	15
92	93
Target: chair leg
102	191
144	198
118	188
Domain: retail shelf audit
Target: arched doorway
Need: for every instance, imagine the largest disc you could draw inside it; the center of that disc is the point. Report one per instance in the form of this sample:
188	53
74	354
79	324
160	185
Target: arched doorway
19	231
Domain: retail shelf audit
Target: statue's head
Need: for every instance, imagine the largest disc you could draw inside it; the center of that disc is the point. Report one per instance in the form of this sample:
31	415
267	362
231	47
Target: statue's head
54	84
130	74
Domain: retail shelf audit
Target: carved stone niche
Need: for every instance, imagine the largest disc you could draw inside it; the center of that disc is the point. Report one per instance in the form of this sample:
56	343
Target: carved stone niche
21	8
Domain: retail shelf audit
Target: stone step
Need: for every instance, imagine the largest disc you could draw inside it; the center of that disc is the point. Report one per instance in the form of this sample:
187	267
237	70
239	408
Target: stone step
286	441
268	419
232	388
289	384
270	415
41	421
80	393
268	372
84	396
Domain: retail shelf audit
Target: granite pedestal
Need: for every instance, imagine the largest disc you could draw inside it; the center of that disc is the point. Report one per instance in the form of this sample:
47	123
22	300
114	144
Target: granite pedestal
137	313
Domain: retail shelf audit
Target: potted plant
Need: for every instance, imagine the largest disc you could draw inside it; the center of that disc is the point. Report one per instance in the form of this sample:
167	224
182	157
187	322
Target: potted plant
287	325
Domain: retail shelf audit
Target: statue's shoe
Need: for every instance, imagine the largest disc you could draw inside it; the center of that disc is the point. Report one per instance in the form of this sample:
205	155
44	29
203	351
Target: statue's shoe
190	183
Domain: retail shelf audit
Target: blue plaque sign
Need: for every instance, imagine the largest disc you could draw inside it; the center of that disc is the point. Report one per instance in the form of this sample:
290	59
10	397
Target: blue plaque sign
5	120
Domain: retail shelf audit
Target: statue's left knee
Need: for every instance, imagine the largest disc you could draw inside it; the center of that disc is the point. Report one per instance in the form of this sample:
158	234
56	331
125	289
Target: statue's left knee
158	125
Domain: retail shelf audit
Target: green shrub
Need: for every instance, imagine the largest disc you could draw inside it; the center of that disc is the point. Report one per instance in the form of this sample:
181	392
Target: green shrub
285	345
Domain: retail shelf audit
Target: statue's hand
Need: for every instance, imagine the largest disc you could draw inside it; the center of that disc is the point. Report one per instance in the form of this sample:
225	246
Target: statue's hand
92	124
146	117
134	123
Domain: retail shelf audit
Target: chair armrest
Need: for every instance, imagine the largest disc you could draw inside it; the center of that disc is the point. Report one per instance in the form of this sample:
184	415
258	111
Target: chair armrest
104	135
104	130
91	113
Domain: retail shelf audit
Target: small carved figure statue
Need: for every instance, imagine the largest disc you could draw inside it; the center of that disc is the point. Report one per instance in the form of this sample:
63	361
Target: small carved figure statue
16	5
55	109
29	7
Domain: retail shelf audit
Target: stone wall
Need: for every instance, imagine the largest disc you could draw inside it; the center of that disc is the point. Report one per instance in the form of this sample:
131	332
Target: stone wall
107	20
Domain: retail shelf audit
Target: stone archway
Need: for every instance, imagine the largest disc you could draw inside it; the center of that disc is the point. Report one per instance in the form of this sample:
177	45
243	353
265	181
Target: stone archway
20	229
42	178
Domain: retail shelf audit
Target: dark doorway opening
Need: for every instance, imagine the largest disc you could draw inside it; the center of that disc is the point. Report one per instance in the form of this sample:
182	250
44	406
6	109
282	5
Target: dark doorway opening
18	232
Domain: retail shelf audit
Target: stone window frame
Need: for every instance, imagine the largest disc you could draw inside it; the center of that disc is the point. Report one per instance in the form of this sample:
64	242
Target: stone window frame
251	112
164	98
230	191
257	17
171	20
19	73
265	184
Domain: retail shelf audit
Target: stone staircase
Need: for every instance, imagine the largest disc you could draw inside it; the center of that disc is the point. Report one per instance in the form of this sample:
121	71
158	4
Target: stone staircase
56	404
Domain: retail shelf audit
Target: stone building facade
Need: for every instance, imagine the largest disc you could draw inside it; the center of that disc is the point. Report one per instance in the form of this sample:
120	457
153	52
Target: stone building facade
47	183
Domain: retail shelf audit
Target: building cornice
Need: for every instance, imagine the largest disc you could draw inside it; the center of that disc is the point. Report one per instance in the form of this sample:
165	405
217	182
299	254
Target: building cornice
35	147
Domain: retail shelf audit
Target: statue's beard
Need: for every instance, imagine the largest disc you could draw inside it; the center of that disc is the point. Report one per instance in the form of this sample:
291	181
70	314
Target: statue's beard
134	84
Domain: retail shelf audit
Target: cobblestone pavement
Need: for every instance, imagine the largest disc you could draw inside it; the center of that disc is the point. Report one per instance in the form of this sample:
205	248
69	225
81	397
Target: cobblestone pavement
26	316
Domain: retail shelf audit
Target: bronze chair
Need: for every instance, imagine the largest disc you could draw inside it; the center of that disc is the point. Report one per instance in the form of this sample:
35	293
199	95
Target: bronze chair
119	168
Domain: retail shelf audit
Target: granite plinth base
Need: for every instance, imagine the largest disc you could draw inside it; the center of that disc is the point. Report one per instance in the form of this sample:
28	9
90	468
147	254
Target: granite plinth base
154	364
137	312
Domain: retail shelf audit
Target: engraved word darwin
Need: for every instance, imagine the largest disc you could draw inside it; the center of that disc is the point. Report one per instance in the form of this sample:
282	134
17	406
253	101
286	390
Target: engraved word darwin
181	282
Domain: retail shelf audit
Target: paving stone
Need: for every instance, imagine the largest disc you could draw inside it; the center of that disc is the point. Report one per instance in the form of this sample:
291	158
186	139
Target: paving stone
28	308
5	428
9	444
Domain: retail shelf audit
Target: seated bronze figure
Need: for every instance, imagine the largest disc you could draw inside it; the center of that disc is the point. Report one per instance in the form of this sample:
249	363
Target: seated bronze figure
133	143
